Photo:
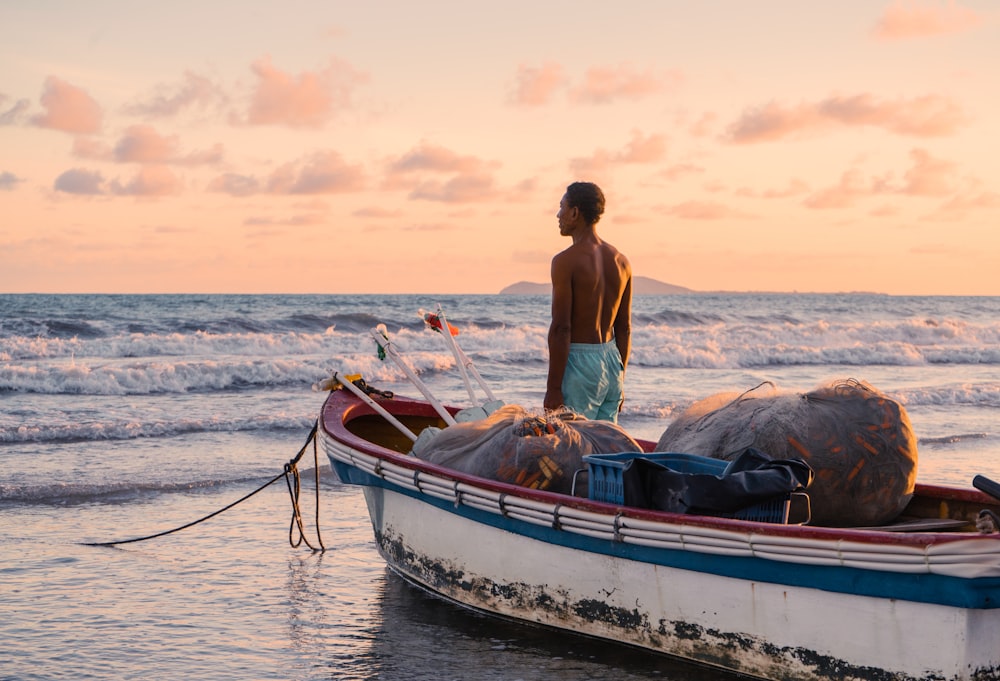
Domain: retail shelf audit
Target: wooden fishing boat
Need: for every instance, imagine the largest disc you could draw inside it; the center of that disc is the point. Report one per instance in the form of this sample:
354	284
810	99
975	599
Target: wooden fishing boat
776	600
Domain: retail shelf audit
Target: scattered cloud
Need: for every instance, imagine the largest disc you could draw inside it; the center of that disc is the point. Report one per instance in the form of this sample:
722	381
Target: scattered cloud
841	195
307	100
142	144
299	220
374	212
704	126
194	91
640	149
465	188
429	157
925	116
79	181
928	176
68	108
151	180
145	145
679	170
15	115
534	86
472	178
324	172
959	207
602	85
235	184
643	149
91	148
8	181
921	19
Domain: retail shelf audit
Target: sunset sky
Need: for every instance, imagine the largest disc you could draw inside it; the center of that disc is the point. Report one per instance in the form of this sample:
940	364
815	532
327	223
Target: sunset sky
398	147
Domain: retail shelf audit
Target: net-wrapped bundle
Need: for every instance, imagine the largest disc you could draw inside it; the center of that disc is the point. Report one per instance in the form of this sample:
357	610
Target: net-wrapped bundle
513	445
858	442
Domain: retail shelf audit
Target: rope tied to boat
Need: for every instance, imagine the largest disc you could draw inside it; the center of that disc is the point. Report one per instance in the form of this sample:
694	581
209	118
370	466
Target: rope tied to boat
290	473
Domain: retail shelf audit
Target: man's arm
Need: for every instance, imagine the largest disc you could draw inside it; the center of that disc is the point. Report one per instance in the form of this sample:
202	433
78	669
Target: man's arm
623	322
560	331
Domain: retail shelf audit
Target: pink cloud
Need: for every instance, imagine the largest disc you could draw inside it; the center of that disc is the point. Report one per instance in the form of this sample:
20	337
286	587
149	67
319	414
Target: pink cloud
959	207
643	149
427	157
150	180
142	144
308	100
843	194
324	172
605	84
704	125
594	165
297	220
534	86
80	181
376	212
926	116
91	148
235	184
194	91
677	171
8	181
640	149
68	108
916	20
928	176
465	188
471	179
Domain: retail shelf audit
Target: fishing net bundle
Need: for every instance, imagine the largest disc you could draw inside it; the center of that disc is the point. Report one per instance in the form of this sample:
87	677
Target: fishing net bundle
517	446
858	442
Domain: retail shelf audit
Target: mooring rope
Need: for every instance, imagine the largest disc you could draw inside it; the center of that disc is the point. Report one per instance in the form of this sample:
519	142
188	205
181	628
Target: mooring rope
290	473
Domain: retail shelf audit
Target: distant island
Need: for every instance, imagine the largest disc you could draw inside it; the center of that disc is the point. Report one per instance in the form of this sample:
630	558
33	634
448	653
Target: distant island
641	286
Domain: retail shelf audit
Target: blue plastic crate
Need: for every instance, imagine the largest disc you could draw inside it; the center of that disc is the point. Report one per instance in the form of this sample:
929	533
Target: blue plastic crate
604	480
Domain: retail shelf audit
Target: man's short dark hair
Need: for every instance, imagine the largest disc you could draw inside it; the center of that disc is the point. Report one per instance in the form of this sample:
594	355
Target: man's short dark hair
588	198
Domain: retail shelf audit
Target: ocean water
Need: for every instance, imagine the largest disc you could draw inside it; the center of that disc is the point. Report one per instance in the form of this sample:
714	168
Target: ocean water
124	416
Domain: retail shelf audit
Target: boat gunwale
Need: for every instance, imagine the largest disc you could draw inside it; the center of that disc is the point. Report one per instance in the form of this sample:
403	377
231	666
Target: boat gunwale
340	408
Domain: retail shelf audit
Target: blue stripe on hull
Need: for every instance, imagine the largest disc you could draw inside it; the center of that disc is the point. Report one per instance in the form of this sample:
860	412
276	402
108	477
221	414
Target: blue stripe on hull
983	592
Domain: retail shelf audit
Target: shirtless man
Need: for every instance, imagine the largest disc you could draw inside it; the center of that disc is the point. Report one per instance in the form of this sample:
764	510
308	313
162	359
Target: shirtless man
591	332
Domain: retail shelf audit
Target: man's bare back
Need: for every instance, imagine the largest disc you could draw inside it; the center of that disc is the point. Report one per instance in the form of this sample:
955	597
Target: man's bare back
591	292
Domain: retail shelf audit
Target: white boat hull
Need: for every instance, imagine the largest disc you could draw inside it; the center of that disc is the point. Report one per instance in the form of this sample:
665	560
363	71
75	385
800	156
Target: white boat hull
773	601
768	630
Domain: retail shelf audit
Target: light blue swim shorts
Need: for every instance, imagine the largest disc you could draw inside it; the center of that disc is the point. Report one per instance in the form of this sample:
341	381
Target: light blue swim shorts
593	382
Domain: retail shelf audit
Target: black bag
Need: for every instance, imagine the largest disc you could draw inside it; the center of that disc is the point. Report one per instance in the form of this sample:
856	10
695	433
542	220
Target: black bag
749	479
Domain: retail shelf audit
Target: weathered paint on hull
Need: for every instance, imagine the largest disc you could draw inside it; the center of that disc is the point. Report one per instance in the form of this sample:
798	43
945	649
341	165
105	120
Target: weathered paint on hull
769	630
